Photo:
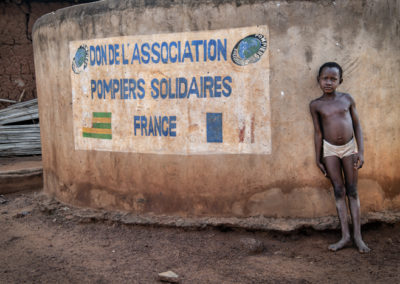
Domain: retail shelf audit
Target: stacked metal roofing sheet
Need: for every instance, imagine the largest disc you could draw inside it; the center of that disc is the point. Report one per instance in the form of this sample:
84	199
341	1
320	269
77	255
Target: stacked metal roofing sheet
22	138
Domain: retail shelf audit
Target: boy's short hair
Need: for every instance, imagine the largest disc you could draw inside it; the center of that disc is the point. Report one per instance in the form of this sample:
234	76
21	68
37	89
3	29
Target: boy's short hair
331	65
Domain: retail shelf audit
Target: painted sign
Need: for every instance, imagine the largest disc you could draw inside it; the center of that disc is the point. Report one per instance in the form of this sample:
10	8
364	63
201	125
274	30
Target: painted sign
184	93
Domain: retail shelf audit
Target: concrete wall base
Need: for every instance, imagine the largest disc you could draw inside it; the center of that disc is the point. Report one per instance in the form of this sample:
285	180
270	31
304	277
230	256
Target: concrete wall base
52	206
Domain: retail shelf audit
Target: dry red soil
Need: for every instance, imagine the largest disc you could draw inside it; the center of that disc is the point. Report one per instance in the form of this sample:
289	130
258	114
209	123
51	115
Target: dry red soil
53	246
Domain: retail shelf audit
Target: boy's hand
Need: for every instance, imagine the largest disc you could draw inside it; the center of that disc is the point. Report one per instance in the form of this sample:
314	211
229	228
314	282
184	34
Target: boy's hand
322	168
358	161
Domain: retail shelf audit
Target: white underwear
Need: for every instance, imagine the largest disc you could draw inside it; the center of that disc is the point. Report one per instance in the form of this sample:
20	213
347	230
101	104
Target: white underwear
340	151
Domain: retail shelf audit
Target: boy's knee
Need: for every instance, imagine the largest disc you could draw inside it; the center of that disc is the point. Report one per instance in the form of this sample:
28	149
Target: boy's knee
351	190
339	191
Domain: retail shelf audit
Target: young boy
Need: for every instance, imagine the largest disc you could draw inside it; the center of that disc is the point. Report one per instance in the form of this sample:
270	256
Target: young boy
336	125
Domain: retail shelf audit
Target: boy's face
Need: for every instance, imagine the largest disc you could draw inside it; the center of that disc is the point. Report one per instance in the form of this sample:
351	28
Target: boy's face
329	79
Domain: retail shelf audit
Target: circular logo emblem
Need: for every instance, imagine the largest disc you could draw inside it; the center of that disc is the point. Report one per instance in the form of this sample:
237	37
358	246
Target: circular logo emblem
79	63
249	50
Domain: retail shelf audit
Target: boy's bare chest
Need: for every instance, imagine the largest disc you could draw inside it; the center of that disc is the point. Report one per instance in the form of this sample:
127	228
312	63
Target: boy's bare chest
334	108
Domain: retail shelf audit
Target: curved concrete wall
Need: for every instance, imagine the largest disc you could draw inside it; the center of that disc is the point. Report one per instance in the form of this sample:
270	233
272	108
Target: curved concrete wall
363	36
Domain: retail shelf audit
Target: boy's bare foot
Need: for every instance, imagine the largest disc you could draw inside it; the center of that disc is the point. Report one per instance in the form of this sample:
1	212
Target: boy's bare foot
362	247
340	244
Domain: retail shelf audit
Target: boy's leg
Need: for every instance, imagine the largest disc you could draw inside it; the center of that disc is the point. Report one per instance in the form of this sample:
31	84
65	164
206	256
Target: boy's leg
351	176
334	170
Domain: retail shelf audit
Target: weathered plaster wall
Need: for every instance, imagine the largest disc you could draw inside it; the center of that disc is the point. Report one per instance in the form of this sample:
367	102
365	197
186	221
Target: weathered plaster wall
363	36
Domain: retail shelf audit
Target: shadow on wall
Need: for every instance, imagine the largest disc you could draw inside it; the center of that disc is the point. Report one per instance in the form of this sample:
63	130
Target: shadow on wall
308	202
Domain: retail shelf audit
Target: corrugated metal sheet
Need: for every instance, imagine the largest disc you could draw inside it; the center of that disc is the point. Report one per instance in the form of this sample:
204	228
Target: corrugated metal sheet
20	140
19	112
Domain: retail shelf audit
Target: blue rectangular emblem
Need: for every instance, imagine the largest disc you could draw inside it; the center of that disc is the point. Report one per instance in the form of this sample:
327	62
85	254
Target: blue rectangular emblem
214	127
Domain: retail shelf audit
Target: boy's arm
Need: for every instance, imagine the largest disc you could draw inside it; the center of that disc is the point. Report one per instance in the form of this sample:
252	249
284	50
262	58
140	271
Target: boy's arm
317	137
358	134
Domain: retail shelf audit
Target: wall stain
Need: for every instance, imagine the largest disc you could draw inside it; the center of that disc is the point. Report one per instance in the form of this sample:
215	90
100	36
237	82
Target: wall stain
241	133
308	54
252	129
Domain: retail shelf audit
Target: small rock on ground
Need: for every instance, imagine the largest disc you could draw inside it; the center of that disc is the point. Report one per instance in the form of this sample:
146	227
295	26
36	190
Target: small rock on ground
168	276
252	245
2	199
21	214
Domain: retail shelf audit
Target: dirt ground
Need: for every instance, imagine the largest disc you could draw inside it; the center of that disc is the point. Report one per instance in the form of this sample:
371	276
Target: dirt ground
51	246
